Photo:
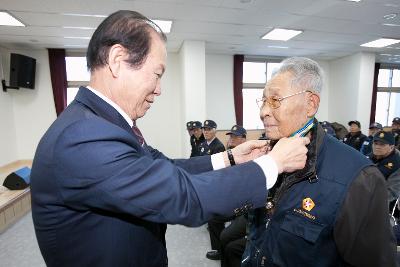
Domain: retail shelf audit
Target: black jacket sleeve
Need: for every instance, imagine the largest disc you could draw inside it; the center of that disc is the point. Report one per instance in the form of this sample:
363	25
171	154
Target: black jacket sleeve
362	232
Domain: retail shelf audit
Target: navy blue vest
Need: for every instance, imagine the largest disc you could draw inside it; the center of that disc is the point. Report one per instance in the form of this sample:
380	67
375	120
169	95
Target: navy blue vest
300	231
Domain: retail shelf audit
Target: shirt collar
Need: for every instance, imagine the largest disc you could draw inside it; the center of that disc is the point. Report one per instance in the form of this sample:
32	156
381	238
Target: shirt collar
112	103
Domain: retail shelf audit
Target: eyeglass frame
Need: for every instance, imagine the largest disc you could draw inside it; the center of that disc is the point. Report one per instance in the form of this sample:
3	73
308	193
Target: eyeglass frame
279	99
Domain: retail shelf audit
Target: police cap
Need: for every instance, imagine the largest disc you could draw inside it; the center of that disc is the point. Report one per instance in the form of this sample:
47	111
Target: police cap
209	124
189	125
384	137
237	130
355	122
196	125
376	125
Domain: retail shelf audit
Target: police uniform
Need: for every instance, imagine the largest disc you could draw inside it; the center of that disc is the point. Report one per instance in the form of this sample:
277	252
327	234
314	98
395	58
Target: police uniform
366	147
396	132
389	164
217	224
328	128
355	140
194	142
389	167
215	146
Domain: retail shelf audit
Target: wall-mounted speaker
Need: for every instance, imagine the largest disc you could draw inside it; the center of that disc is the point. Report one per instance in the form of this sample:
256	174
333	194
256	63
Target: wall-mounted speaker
18	180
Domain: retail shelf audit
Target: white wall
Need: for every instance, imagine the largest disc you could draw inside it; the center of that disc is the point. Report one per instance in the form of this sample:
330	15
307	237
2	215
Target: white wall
219	90
323	110
161	126
351	82
32	110
8	139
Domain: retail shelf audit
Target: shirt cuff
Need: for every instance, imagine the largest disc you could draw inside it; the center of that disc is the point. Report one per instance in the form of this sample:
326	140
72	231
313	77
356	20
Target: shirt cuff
270	169
217	161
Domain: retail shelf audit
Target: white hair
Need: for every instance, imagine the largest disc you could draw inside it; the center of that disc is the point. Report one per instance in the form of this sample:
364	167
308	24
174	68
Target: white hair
308	75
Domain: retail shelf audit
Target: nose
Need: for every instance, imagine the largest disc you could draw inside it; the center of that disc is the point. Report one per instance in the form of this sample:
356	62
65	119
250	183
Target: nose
157	91
265	111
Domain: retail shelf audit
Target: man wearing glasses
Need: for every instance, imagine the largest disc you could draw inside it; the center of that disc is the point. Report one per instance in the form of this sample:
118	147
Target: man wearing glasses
334	211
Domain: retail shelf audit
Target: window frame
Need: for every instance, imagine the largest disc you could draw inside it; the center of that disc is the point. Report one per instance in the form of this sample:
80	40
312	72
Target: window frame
256	86
389	89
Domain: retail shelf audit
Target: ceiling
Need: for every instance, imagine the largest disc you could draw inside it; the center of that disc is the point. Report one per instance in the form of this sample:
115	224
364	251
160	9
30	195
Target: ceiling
332	28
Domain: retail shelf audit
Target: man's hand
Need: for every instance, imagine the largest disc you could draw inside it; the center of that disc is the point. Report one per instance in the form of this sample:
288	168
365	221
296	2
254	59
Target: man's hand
290	154
249	150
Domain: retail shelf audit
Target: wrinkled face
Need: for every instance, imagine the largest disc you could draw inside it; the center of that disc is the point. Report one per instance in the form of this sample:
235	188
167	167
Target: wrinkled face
354	128
136	89
234	140
293	112
209	133
197	132
381	149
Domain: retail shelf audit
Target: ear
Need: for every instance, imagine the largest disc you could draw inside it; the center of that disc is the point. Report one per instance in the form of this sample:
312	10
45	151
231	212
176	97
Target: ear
116	56
312	104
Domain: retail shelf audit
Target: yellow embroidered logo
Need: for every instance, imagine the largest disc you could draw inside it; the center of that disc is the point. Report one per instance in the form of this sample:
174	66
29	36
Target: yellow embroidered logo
382	135
308	204
389	165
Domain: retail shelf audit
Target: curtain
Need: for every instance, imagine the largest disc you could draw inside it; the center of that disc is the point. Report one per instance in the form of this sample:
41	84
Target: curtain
237	87
374	93
58	75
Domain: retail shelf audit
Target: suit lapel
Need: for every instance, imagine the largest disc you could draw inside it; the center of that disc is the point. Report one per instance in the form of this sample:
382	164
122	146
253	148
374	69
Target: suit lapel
101	108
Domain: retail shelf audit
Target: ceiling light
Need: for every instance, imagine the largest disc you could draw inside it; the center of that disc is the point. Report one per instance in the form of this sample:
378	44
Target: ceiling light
281	34
390	16
77	37
84	15
7	19
79	28
353	1
381	42
165	25
277	46
391	24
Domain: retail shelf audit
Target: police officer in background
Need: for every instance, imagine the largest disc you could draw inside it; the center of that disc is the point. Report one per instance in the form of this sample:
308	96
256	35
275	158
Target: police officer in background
237	136
366	147
212	144
354	138
189	128
196	139
387	159
396	131
328	128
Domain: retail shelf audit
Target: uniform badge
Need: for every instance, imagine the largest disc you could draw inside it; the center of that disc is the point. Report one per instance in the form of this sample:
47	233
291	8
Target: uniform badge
308	204
382	135
202	149
389	165
206	123
234	128
209	152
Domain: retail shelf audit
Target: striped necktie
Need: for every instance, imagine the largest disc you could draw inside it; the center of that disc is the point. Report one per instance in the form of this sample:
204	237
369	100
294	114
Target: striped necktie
138	134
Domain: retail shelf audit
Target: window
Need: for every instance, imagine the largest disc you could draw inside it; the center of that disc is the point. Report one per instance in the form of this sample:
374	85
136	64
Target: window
255	75
77	75
388	96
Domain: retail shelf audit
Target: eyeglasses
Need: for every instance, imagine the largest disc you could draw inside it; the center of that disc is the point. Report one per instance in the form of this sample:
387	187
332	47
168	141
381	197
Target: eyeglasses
274	101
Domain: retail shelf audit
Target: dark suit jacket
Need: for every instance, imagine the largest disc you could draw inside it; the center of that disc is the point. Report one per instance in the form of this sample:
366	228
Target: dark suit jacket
214	147
101	199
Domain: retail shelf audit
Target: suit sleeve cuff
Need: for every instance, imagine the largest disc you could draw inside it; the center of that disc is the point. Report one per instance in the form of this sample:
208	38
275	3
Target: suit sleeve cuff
270	169
217	161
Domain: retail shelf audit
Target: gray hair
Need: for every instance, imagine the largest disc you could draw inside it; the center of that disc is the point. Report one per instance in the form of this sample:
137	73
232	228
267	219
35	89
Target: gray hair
307	73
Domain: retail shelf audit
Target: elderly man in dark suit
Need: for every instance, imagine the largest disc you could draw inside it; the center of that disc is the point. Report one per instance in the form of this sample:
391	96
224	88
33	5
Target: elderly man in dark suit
101	196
